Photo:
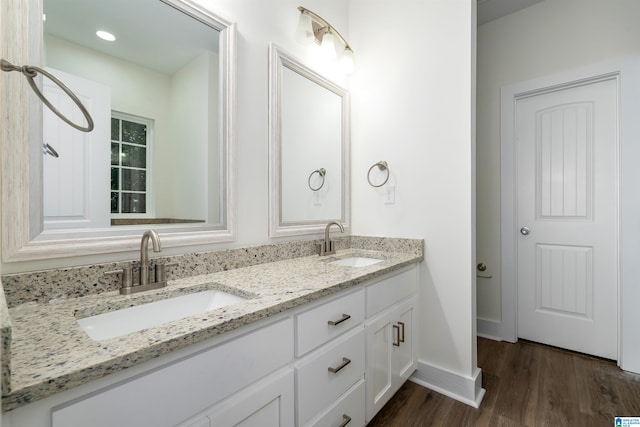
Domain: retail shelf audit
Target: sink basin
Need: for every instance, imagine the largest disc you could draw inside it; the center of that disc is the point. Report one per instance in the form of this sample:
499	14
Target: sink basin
131	319
356	261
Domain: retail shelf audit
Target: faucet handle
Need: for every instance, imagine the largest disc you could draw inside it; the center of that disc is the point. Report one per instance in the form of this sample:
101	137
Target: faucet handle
161	271
127	275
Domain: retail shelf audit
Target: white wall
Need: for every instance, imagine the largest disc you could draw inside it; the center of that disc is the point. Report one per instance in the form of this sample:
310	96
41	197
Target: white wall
124	78
193	132
413	106
547	38
259	23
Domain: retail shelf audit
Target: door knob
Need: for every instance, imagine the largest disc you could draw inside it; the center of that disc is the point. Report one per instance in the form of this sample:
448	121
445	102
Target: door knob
525	231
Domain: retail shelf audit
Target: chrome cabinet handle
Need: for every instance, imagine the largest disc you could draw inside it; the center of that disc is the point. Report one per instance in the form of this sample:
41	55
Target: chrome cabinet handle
396	329
337	322
525	231
401	338
338	368
346	419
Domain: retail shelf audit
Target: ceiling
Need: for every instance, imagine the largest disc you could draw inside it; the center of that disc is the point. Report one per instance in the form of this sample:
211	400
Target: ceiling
488	10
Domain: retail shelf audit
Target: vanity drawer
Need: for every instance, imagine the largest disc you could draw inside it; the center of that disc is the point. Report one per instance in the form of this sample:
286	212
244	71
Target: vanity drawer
391	290
348	410
325	322
317	385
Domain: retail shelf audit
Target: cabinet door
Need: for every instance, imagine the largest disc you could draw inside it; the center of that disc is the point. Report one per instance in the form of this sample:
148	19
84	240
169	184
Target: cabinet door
404	355
391	353
268	403
379	377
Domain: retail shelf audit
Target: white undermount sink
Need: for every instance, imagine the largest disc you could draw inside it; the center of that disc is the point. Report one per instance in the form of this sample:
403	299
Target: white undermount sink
356	261
131	319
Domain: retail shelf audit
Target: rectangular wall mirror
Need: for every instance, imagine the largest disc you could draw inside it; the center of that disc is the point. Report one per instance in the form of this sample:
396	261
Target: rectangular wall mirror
309	149
161	96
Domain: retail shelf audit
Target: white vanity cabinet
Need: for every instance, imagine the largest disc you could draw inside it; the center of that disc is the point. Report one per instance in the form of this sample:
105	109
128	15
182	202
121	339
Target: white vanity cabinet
333	362
390	337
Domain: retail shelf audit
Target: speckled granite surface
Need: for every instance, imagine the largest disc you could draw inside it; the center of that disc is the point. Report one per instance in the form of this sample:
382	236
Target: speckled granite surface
50	353
74	282
5	336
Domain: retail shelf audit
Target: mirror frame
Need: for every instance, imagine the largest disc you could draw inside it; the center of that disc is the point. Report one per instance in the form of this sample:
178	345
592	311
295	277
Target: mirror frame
21	133
278	59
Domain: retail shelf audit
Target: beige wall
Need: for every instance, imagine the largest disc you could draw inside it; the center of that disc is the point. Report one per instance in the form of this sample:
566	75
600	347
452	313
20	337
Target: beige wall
550	37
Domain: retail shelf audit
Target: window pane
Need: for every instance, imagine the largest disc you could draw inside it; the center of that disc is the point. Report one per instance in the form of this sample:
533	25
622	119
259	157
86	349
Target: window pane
134	180
114	202
135	157
133	203
115	129
115	179
134	132
115	154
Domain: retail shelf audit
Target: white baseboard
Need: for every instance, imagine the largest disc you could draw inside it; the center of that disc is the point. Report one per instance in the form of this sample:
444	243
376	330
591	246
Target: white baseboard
491	329
467	390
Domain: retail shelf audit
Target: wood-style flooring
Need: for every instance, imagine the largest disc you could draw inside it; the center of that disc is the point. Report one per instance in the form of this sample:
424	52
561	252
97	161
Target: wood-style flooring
527	384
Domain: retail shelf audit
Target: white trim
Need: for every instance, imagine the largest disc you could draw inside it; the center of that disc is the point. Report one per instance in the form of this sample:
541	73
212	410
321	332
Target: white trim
467	390
490	329
614	69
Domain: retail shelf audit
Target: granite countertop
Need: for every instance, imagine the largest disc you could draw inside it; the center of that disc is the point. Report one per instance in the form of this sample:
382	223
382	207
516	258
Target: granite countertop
51	353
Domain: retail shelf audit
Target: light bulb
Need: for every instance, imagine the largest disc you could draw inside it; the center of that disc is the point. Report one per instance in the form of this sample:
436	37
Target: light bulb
328	48
105	35
304	32
346	61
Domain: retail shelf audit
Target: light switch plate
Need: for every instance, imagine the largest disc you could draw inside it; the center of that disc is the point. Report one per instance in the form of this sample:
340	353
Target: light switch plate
390	194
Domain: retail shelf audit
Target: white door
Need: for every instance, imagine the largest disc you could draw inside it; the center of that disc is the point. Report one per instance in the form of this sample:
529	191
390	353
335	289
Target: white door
566	142
76	184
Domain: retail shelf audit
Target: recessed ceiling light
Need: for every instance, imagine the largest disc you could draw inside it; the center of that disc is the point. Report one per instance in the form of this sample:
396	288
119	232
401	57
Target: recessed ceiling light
105	35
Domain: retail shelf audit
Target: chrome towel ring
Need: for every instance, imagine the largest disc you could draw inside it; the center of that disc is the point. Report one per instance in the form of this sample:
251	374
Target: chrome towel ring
30	72
322	172
48	149
382	166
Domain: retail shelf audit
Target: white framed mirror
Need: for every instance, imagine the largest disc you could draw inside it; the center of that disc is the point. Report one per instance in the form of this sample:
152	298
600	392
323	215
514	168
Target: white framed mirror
164	134
309	149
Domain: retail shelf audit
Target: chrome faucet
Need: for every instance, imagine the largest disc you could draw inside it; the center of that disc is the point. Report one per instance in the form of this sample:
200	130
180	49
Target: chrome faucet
327	247
146	283
144	254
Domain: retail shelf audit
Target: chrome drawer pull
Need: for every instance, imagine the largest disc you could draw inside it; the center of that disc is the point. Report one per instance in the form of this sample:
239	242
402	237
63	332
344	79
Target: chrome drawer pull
344	363
346	419
396	329
337	322
401	333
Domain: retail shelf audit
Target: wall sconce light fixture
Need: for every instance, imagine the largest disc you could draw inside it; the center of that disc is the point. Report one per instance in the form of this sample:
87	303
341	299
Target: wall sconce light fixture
313	28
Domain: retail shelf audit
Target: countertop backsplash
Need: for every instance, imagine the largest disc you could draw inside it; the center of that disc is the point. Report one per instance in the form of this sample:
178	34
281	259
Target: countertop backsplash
72	282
